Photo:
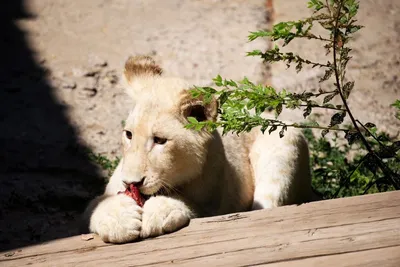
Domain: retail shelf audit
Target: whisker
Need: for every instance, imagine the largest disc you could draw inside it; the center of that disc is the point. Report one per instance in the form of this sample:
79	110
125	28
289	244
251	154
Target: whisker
169	188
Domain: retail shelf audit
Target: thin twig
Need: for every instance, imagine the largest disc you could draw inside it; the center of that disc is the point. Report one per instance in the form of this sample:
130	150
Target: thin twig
324	93
315	63
278	123
328	7
316	106
314	37
313	127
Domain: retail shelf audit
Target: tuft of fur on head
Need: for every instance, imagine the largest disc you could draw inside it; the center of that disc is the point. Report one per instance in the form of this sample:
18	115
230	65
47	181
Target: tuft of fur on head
137	66
138	72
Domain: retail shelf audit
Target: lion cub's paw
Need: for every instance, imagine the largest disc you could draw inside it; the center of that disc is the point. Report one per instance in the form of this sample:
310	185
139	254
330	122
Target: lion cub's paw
163	215
118	219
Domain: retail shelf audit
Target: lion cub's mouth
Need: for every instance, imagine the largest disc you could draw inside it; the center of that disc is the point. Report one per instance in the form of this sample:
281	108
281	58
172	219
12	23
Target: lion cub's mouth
160	192
135	193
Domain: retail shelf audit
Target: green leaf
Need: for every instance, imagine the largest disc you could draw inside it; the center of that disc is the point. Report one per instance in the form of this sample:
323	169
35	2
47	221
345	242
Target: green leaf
328	105
299	66
224	97
192	120
278	109
218	80
254	53
231	83
329	97
208	98
337	118
315	4
353	28
352	136
282	131
209	90
369	125
272	128
307	111
396	104
250	105
347	89
327	75
199	126
254	35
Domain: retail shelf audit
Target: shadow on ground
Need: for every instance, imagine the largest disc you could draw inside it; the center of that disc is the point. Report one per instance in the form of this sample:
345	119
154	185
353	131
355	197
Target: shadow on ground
45	176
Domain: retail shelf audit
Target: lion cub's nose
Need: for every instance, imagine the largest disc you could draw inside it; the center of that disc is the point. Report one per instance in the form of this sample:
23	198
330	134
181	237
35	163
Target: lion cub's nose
137	184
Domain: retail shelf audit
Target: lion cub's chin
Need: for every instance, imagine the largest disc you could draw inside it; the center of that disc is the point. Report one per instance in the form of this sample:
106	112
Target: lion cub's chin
152	189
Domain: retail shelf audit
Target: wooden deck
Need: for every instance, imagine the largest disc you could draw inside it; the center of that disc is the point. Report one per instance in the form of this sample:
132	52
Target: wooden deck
358	231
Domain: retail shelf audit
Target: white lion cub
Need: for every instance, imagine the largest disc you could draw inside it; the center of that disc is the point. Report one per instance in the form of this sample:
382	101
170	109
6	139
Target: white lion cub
187	173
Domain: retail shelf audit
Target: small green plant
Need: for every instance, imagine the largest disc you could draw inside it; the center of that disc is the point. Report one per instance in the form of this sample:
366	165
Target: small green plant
396	104
375	167
105	163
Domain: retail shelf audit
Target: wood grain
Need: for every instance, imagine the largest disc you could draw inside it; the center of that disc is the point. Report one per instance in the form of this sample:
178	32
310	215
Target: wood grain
357	231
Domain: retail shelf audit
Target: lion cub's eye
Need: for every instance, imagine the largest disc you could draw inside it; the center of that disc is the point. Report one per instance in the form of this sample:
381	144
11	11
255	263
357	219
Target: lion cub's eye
128	134
159	140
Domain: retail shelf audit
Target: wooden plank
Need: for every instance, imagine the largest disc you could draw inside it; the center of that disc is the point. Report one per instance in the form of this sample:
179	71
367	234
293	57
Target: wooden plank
384	257
289	234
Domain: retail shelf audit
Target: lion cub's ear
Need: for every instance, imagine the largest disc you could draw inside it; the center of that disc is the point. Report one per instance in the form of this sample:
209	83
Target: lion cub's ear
139	70
198	108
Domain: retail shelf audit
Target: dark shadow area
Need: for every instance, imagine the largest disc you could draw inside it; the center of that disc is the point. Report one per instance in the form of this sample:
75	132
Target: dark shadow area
45	176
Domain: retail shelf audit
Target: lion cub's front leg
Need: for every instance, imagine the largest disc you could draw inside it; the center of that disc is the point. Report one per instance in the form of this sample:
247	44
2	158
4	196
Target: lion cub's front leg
163	215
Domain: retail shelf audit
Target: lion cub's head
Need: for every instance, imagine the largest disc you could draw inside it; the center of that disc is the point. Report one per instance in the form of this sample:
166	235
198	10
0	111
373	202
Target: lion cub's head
158	151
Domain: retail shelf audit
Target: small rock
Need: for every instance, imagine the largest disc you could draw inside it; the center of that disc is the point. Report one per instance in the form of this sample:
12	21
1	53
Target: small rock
69	85
87	237
102	64
92	73
91	107
9	254
91	91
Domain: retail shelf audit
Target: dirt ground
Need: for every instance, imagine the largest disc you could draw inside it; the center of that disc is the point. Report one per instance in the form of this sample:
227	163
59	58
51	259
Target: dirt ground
60	95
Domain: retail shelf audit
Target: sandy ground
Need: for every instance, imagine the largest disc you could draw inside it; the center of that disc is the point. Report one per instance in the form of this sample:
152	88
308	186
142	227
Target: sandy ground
60	94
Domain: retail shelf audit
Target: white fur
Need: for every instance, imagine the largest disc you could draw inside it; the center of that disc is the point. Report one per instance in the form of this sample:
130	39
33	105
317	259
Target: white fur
201	173
164	215
116	219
